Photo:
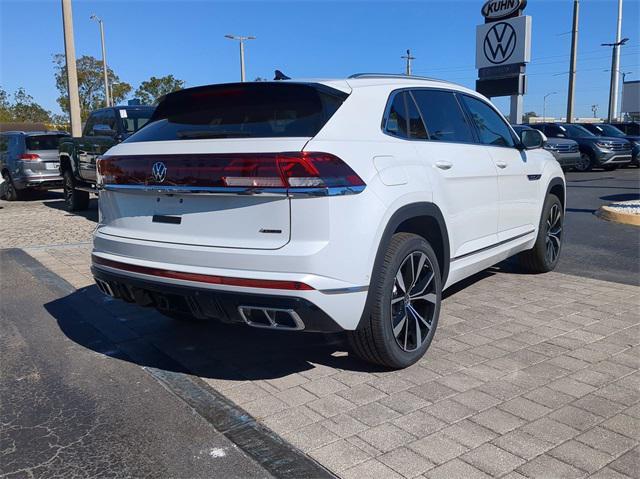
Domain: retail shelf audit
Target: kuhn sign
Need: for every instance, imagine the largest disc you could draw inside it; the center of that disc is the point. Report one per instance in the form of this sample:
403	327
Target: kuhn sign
496	9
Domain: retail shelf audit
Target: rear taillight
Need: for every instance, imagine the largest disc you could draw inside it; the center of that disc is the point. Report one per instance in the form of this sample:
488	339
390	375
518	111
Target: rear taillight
29	157
287	171
292	170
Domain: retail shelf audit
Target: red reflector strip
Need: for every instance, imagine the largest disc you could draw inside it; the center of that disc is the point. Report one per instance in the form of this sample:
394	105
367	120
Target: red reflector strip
204	278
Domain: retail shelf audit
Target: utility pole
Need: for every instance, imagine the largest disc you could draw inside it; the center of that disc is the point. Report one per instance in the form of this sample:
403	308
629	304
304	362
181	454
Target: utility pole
72	74
615	65
573	60
107	96
544	104
241	39
594	109
408	57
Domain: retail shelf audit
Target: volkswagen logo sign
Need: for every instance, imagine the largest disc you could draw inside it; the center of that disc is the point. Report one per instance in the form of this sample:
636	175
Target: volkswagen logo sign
159	171
500	43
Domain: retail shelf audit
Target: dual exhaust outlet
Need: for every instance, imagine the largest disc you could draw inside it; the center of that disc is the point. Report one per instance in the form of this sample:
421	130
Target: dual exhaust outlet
255	316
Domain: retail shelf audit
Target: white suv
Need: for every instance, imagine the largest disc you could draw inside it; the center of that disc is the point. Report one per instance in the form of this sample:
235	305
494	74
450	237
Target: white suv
323	205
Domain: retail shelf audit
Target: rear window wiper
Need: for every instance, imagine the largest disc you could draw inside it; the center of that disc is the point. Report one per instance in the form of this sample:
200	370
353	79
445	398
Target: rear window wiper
194	134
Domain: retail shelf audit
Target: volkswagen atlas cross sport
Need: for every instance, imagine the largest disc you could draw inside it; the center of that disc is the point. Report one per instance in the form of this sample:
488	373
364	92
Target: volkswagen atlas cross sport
323	205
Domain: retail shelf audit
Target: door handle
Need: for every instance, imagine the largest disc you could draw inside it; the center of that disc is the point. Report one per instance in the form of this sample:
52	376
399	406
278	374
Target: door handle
501	164
443	165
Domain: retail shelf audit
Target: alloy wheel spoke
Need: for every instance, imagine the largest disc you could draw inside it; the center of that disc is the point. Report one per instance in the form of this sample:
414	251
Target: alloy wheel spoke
400	280
398	328
429	297
413	311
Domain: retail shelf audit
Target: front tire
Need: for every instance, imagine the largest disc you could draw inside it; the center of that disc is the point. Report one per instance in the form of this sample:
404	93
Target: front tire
584	163
75	200
400	322
544	255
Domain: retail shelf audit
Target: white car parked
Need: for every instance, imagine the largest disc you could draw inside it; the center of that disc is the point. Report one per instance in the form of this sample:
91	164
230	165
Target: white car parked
323	205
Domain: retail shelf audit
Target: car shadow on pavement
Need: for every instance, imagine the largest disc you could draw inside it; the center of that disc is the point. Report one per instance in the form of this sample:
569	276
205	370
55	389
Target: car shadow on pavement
209	349
621	197
90	213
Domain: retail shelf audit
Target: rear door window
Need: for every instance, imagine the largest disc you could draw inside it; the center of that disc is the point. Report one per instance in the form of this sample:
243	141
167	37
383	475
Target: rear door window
443	116
396	123
492	129
251	110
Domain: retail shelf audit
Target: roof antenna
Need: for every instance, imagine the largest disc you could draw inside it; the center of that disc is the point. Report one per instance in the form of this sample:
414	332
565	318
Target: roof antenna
280	76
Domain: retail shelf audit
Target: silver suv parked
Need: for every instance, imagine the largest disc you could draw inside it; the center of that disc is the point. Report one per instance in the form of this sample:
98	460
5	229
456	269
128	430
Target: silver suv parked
29	160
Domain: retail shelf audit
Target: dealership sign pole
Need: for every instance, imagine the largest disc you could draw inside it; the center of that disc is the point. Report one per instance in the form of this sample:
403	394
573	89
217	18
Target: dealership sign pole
503	48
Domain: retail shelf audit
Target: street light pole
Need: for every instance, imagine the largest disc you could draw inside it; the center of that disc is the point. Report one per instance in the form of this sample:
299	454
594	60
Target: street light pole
241	39
72	73
544	105
615	65
107	99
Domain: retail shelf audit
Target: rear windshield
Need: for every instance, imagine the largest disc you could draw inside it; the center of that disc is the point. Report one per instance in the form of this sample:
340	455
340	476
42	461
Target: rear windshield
43	142
247	110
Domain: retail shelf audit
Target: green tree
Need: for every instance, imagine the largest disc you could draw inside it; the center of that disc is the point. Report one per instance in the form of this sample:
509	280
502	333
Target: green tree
25	109
90	84
155	87
5	107
528	115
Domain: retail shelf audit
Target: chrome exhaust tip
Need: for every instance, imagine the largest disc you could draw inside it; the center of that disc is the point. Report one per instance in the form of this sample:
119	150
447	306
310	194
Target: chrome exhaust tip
271	318
105	287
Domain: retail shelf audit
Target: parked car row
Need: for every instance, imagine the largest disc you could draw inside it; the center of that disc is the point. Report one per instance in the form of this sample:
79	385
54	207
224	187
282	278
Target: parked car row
599	145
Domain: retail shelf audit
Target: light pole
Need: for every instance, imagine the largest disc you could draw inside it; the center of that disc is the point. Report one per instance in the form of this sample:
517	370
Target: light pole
107	99
544	104
241	39
594	109
615	65
72	74
573	60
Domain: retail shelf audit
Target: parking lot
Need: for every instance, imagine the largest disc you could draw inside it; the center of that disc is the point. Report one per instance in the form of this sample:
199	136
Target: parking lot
527	373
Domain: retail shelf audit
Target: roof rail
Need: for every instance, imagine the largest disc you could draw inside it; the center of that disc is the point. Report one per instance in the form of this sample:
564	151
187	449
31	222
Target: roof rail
395	75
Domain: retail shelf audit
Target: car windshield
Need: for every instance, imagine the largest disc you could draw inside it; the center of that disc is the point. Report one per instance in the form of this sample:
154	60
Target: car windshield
609	130
43	142
134	119
576	131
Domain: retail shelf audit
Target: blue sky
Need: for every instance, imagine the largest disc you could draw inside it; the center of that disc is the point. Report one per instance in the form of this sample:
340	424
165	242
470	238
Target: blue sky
311	39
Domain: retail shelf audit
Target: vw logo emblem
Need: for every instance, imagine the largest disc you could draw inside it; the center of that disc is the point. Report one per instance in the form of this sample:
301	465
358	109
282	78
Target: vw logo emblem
159	171
500	43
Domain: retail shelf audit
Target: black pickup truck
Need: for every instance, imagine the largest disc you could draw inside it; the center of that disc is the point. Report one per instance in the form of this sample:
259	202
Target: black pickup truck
103	129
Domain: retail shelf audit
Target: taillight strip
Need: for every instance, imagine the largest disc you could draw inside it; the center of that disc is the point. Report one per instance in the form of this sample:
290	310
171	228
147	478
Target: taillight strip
203	278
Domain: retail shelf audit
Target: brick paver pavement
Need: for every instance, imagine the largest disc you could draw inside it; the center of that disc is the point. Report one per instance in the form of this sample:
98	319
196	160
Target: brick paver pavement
528	376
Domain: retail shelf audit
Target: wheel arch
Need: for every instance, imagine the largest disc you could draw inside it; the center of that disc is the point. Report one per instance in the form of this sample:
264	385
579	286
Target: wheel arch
557	187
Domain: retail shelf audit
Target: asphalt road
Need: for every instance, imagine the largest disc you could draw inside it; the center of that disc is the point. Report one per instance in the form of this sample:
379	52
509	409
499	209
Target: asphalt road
68	411
593	247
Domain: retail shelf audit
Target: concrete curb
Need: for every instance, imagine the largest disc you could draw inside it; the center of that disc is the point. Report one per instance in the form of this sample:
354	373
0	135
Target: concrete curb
609	214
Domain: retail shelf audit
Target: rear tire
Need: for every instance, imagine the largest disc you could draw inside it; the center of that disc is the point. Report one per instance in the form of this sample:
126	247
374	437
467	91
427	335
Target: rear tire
544	255
11	193
398	326
75	200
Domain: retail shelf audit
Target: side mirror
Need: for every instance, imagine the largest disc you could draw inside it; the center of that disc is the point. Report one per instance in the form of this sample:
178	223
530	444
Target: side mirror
531	139
103	130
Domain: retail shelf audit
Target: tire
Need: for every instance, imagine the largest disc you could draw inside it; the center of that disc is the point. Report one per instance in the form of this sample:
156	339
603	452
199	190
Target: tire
584	163
544	255
11	193
389	308
75	200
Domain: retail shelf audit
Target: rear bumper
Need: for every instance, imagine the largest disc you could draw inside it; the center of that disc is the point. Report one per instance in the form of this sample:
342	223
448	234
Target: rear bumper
44	181
208	303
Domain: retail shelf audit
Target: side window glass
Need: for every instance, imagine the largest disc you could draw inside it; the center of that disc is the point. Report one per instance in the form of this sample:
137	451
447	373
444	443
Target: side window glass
396	123
417	130
88	127
109	119
443	116
492	129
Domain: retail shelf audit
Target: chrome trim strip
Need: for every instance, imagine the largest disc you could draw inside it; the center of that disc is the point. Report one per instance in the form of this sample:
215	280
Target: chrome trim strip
492	246
235	191
354	289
